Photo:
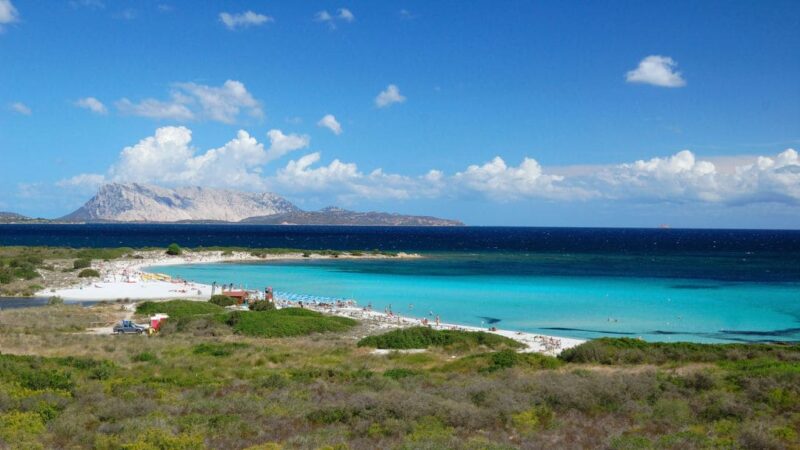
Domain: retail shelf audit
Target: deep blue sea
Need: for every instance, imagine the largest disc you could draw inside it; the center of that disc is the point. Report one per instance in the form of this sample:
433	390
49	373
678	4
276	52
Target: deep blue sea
658	284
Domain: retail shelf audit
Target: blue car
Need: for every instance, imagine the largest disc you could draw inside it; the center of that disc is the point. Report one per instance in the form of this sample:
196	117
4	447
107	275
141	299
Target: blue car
127	326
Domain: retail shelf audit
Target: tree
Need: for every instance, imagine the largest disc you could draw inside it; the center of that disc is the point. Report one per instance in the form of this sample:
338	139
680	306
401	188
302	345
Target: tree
174	250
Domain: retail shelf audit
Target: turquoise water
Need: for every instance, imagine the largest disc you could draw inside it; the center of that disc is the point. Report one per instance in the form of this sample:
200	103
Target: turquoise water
573	296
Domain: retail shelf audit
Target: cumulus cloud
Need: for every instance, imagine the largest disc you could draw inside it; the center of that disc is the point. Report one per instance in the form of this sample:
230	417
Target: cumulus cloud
683	178
346	15
680	176
8	13
389	96
770	179
168	158
497	180
329	121
342	15
192	101
346	182
21	108
281	144
84	181
658	71
92	104
244	20
155	109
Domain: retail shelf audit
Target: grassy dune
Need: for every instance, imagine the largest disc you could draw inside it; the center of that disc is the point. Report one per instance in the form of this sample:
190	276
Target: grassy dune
218	387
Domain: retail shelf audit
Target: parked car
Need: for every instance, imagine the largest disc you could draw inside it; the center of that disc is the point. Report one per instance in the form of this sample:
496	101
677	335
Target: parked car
127	326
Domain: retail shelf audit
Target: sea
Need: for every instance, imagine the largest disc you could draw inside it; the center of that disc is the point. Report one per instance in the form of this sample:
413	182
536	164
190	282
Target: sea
656	284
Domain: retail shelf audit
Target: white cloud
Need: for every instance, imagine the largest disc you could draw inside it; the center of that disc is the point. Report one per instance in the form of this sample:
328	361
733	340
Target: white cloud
126	14
406	14
324	17
21	108
86	181
281	144
346	15
91	4
346	181
223	103
769	179
244	20
680	177
683	178
329	121
497	180
8	13
192	101
92	104
342	15
167	158
155	109
389	96
658	71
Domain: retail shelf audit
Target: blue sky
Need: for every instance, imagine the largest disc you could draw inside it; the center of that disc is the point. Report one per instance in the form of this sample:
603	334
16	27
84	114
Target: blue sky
694	91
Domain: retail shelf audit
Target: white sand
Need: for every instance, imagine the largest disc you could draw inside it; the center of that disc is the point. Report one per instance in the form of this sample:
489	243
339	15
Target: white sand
126	279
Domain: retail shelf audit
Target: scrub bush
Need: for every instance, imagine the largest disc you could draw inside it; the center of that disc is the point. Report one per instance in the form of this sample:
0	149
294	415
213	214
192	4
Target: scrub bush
174	250
423	337
82	263
222	300
88	273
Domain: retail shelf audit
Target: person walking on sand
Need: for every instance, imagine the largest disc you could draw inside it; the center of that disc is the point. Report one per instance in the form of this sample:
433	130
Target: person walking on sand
437	322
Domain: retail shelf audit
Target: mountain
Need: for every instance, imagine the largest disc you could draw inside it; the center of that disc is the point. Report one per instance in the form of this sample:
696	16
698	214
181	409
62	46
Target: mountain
134	202
338	216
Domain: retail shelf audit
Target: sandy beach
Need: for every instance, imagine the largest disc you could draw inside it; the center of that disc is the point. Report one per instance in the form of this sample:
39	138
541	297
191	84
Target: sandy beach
128	279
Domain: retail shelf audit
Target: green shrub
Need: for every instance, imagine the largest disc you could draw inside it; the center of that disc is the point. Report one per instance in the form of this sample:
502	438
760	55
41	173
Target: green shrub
178	308
212	349
635	351
144	357
174	250
286	322
262	305
533	419
504	359
400	372
82	263
88	273
423	337
222	300
55	300
18	428
329	416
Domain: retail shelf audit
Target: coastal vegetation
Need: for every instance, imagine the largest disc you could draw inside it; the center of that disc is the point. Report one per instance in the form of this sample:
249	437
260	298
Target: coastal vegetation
88	273
206	318
174	250
424	337
187	389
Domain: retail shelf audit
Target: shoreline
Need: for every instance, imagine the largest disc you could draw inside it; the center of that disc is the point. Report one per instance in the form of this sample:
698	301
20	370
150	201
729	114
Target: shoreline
129	279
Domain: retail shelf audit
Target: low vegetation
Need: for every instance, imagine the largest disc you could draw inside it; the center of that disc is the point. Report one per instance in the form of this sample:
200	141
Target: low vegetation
222	300
424	337
178	308
60	388
207	318
635	351
174	250
88	273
